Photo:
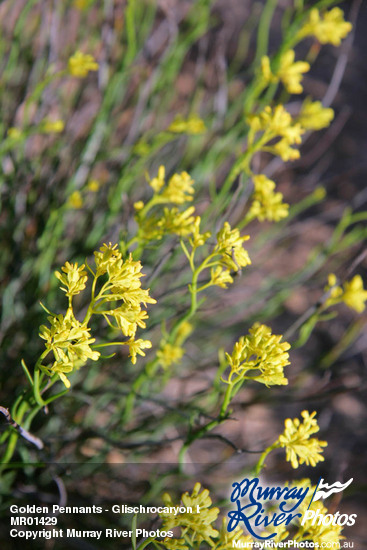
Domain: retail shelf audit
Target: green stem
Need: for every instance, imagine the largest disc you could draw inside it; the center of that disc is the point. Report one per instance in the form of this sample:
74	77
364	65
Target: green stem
36	386
262	458
12	442
263	30
226	400
145	543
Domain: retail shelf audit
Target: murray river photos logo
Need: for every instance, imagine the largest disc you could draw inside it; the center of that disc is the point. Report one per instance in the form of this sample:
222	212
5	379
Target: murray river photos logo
251	499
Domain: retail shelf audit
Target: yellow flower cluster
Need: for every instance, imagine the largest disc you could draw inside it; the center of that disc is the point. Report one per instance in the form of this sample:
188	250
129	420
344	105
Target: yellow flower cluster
300	448
229	247
352	293
52	127
68	339
192	125
178	190
75	200
199	526
80	64
275	123
228	253
171	222
313	116
196	238
323	535
171	353
328	27
123	284
74	278
14	133
267	205
259	351
226	540
158	182
289	72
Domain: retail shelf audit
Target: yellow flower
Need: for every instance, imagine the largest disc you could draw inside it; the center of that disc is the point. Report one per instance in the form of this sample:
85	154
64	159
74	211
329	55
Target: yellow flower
139	205
352	294
128	317
226	540
229	247
14	133
355	295
179	189
266	204
283	150
158	182
74	279
259	351
183	332
265	68
276	122
93	186
169	354
193	125
75	200
52	127
320	193
314	116
106	256
328	27
136	348
197	525
289	72
300	448
61	369
80	64
220	277
198	239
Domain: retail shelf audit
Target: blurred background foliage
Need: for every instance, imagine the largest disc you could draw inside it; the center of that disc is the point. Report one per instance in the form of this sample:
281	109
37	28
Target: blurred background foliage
64	194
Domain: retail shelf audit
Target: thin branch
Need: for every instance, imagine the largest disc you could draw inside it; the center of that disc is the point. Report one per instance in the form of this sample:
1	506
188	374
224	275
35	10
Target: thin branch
230	443
22	432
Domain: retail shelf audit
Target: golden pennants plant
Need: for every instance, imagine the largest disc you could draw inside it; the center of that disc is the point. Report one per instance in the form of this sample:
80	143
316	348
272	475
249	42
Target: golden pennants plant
185	228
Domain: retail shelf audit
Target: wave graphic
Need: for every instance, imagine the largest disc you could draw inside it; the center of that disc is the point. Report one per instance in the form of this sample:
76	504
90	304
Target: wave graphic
329	489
